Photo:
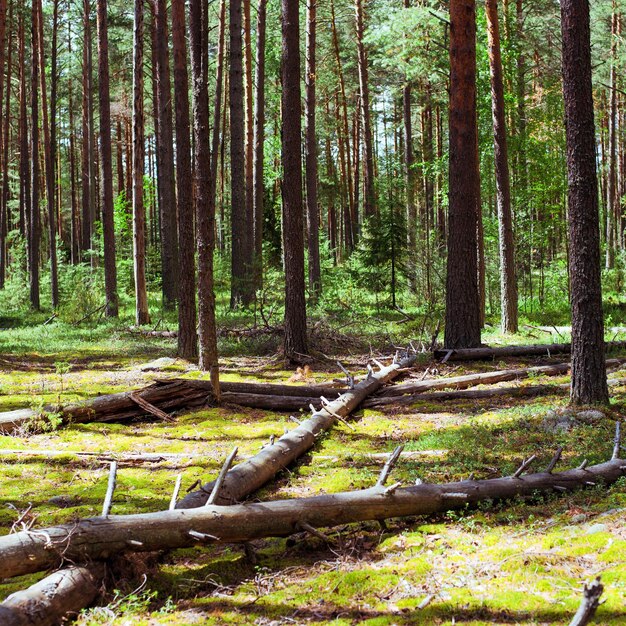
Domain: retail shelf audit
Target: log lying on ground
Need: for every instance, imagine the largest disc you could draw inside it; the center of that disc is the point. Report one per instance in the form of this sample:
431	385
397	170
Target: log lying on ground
44	603
169	460
252	474
485	352
478	394
117	406
102	537
269	389
485	378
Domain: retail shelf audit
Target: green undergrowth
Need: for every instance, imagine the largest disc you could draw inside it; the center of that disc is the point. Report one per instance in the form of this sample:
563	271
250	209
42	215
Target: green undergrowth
520	562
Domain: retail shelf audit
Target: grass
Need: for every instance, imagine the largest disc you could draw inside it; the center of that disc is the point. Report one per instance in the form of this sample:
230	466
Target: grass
515	562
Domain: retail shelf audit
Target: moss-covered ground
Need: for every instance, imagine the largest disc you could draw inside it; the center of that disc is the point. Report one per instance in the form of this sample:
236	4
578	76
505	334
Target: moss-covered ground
505	563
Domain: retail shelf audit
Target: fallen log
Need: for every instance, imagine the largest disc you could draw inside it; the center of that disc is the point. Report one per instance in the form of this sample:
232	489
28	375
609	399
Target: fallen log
117	406
485	352
247	477
102	537
65	592
270	389
478	394
177	459
485	378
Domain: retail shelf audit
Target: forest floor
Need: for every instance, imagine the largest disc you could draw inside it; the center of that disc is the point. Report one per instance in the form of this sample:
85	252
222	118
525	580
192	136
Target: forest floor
505	563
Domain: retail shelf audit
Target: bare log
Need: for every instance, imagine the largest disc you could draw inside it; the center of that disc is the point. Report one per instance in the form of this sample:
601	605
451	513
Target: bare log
478	394
475	354
46	602
252	474
270	389
117	406
101	537
485	378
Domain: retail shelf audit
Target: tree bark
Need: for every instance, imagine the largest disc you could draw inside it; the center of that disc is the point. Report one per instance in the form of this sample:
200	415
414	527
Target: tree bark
165	156
612	204
102	537
187	335
241	291
204	209
589	384
462	294
142	314
34	230
310	154
295	342
369	193
508	281
259	140
106	185
5	131
47	602
249	141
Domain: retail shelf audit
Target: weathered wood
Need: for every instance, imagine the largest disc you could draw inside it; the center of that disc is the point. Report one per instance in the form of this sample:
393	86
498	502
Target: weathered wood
475	354
45	603
250	475
478	394
589	604
271	389
102	537
118	406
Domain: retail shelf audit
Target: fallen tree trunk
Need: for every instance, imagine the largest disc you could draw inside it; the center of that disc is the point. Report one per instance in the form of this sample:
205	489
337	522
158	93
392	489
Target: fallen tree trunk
270	389
478	394
46	602
252	474
167	397
475	354
102	537
485	378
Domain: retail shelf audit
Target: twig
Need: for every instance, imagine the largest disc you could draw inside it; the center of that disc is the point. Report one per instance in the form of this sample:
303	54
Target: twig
525	465
150	408
179	480
220	479
313	531
389	465
108	498
555	459
617	440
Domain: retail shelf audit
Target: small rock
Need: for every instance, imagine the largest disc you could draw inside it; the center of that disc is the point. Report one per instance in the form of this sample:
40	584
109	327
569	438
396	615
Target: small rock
63	502
157	364
590	416
597	528
558	421
581	517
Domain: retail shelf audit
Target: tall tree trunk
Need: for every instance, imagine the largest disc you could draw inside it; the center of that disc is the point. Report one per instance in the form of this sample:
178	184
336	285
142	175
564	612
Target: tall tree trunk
142	314
588	353
106	184
34	230
119	155
249	140
75	219
462	297
521	98
24	145
5	131
344	130
87	179
259	140
508	282
612	200
310	152
409	172
165	152
241	292
369	194
293	239
49	143
187	335
205	212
